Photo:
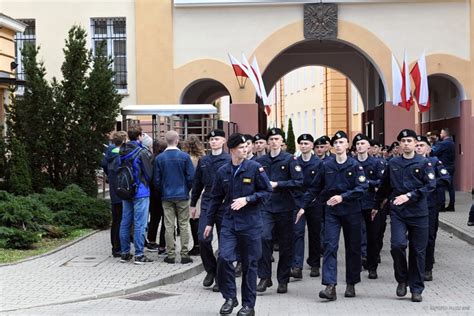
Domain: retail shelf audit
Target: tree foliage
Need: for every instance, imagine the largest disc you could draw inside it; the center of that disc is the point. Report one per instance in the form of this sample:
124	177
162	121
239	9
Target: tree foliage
290	140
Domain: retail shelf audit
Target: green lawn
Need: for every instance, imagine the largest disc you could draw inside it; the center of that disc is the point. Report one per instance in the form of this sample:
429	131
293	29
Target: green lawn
13	255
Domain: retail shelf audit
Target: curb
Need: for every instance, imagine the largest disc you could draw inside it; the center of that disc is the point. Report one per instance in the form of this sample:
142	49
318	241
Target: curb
450	228
51	251
170	278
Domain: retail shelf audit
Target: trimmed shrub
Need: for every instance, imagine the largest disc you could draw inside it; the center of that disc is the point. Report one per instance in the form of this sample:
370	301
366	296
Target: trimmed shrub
18	238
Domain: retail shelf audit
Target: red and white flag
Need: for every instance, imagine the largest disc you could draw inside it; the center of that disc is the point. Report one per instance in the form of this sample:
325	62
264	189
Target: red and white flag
263	91
397	83
251	75
407	99
420	77
237	66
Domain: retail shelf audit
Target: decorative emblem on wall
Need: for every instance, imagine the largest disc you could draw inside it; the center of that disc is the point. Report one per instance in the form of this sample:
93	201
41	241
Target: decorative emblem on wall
320	21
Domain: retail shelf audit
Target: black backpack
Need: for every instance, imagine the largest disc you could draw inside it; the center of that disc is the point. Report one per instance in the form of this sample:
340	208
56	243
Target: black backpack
126	185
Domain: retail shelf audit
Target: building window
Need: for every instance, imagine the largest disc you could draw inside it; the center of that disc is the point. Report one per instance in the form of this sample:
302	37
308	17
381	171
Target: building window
321	120
314	124
355	99
113	32
28	37
305	122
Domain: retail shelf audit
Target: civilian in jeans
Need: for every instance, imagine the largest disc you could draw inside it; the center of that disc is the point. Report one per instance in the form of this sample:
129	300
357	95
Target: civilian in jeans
136	210
109	164
173	176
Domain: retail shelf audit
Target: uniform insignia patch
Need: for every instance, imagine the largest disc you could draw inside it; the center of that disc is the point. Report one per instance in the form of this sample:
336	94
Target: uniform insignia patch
213	134
247	180
382	171
360	168
282	167
431	176
338	135
444	171
261	169
429	164
405	133
298	168
361	178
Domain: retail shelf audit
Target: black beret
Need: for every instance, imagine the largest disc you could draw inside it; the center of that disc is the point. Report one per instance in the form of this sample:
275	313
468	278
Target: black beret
248	137
216	132
235	140
307	137
326	138
359	137
259	136
421	138
338	135
320	141
275	131
406	133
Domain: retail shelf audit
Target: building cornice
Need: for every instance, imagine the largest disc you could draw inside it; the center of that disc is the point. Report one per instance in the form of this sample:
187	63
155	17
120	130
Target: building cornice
12	24
220	3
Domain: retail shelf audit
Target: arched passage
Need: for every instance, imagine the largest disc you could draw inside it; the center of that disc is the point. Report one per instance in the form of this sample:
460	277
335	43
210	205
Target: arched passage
203	91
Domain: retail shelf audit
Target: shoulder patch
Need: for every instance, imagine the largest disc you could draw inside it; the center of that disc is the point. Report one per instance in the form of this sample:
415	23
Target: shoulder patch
431	176
294	158
444	171
360	168
362	178
298	168
429	164
261	169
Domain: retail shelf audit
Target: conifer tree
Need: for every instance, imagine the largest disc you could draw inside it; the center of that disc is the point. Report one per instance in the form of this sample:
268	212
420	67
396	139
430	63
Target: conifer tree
290	140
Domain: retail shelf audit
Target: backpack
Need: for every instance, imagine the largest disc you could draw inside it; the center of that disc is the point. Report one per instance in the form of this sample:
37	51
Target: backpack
127	184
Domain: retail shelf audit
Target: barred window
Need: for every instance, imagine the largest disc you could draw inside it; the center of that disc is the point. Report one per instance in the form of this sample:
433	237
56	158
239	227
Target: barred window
28	37
112	31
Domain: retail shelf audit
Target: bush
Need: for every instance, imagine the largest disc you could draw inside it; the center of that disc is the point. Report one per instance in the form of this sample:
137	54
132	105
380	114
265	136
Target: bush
24	212
18	176
18	238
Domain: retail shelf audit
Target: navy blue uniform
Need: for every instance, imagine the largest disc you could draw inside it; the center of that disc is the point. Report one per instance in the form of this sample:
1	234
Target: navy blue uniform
373	169
349	181
445	150
414	176
241	230
203	180
285	170
442	180
312	218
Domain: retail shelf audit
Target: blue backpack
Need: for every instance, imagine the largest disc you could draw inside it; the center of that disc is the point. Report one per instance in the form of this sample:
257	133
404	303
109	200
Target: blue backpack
127	184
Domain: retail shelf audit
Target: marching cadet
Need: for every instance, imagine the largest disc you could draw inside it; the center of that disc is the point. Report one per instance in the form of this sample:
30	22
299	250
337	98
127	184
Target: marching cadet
406	182
373	169
203	179
423	148
310	165
260	142
250	144
242	187
320	147
286	178
339	184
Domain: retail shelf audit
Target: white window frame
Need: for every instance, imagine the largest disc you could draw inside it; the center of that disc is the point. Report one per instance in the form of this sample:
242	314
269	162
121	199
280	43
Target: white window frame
19	45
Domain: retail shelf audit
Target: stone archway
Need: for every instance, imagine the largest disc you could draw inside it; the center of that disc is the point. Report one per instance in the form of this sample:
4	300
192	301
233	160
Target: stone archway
205	90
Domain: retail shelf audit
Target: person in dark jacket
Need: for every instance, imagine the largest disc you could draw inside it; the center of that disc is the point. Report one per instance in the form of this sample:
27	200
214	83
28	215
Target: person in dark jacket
173	176
445	150
109	165
136	210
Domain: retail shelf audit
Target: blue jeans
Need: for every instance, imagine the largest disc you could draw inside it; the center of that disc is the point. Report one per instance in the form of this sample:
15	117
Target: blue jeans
136	210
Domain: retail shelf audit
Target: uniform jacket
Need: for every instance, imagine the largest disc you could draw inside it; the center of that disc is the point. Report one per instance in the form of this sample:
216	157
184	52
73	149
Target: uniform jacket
373	169
442	180
445	150
249	181
173	174
415	176
143	170
285	170
346	179
310	170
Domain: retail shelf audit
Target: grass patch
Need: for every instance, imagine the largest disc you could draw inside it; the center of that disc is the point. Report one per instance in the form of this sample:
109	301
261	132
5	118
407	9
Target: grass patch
45	245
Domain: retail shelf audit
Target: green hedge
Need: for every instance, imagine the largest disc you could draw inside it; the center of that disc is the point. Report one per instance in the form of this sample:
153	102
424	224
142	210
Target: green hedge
24	220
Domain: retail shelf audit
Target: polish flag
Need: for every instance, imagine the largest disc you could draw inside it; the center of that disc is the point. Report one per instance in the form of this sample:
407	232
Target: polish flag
420	77
258	75
397	83
251	75
407	100
237	66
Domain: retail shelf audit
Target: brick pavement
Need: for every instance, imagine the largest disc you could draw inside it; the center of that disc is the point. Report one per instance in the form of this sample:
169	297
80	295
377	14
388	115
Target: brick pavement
451	292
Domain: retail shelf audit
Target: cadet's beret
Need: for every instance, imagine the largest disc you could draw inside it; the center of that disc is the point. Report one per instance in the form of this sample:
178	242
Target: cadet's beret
275	131
216	132
235	140
259	136
320	141
421	138
307	137
392	146
325	137
248	137
406	133
359	137
338	135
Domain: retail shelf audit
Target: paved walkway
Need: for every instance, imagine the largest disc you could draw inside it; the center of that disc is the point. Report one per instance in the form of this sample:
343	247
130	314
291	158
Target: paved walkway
86	271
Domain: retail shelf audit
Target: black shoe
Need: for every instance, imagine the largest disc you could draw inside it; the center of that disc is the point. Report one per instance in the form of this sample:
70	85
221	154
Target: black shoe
416	297
350	291
329	293
379	260
470	223
152	247
208	280
195	251
162	252
401	289
140	260
238	270
169	260
296	273
448	209
246	311
373	275
314	272
263	284
116	254
442	209
125	257
215	288
428	276
228	306
276	247
282	288
272	259
186	259
364	263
